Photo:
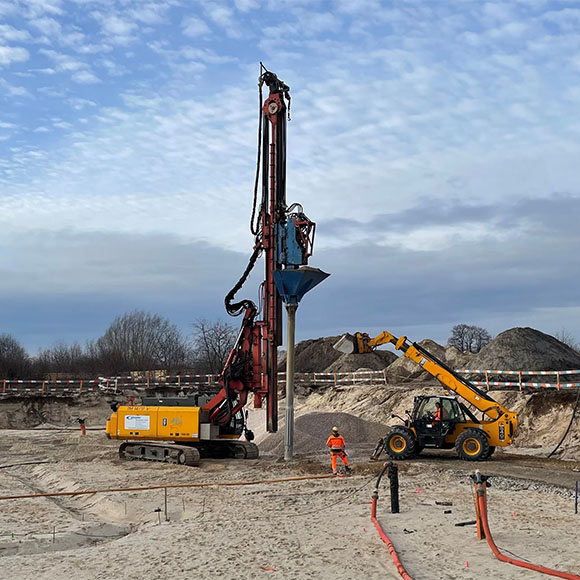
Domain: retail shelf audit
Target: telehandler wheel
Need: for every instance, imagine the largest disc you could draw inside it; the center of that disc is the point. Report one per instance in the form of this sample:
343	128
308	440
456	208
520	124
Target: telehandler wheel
472	445
400	443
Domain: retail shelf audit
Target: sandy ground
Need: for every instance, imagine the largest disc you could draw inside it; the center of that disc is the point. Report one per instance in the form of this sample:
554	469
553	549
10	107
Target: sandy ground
314	528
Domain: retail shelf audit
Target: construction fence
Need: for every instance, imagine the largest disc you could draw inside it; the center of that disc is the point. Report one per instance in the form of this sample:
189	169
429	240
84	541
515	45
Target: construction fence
196	383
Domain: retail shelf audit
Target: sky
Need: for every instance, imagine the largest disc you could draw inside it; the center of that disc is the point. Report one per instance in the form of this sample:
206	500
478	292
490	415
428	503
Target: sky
436	144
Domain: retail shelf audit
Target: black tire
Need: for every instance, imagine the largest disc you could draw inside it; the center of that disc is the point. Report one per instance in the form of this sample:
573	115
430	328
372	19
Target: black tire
400	443
472	445
491	451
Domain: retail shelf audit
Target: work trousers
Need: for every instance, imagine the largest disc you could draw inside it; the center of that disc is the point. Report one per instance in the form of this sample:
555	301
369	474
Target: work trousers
334	455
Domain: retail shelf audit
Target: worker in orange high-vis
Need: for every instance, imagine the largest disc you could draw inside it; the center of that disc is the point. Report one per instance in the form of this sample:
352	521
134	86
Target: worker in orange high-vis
337	445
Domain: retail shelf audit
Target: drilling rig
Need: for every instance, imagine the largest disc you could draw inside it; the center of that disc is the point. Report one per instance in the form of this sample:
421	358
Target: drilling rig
184	430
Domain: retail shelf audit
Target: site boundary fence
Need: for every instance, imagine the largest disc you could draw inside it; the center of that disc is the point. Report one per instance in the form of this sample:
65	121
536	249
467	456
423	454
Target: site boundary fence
185	383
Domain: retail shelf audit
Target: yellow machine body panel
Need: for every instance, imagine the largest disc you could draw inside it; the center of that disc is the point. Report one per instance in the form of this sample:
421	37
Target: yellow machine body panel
155	423
499	433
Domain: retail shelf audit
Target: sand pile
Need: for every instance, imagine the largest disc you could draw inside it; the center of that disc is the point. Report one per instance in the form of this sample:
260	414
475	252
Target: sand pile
374	361
53	412
313	356
319	356
404	369
311	430
526	349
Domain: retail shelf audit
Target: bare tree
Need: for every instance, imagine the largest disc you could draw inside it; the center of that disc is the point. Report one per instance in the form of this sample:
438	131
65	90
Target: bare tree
565	336
141	341
61	358
468	338
212	343
14	360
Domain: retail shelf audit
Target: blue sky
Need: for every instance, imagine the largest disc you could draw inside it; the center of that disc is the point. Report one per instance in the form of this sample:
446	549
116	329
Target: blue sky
436	145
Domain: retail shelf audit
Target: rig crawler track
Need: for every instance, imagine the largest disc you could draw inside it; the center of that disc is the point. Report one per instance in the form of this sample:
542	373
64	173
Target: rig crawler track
184	454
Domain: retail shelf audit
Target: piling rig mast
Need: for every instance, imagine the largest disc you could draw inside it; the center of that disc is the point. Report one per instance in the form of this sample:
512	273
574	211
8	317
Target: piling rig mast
285	236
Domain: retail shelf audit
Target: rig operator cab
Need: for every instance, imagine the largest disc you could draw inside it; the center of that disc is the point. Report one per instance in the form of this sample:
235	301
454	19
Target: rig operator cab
441	422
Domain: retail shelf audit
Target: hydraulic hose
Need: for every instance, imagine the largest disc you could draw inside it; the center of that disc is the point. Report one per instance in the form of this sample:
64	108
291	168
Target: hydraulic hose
482	503
400	568
569	424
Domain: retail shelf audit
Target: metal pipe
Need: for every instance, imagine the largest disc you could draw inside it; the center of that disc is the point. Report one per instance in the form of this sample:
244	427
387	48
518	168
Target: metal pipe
394	479
289	438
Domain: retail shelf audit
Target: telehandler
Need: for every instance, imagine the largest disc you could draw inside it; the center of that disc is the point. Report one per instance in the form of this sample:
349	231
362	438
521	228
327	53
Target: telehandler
439	421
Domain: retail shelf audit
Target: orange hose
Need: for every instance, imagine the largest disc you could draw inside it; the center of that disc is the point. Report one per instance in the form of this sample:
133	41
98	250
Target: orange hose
385	538
483	515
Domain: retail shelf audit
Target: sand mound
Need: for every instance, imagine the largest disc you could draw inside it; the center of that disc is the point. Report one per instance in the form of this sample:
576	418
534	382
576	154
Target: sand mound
374	361
311	430
313	356
404	369
457	359
318	356
526	349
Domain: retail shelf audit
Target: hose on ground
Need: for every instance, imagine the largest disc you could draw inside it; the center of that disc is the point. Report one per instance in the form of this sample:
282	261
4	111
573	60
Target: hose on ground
569	424
482	504
396	560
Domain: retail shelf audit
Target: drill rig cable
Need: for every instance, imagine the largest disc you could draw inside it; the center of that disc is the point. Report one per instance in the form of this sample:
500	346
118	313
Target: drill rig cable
237	308
569	424
255	225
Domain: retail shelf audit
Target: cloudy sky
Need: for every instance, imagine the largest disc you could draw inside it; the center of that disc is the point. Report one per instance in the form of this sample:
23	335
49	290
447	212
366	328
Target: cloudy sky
436	144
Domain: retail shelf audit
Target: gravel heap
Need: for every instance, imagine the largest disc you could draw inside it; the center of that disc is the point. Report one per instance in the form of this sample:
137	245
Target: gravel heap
312	429
526	349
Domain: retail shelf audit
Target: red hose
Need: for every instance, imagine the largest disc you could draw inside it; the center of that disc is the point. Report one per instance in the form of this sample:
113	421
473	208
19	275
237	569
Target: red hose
390	546
483	514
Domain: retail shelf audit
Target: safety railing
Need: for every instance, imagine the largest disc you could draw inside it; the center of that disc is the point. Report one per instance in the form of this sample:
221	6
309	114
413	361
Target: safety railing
197	382
520	376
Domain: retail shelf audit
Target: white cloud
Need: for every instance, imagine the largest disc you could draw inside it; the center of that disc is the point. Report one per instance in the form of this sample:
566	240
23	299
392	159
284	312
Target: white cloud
247	5
48	26
36	8
12	54
12	90
194	27
85	77
10	34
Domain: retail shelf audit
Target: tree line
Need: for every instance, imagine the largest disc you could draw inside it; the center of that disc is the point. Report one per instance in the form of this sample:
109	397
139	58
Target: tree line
136	341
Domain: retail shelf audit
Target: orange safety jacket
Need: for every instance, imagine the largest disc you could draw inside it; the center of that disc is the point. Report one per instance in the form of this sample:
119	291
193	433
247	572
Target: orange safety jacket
336	443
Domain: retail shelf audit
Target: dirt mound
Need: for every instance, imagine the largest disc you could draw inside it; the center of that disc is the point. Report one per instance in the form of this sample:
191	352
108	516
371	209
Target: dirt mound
404	370
314	355
374	361
317	355
526	349
311	430
46	412
457	359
